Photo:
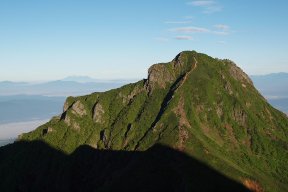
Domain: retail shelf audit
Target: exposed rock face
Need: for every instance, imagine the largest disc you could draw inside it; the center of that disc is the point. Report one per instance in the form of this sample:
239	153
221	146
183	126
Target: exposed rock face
237	73
46	131
98	113
66	119
219	111
228	87
240	116
66	106
71	123
128	98
79	109
178	61
184	124
159	75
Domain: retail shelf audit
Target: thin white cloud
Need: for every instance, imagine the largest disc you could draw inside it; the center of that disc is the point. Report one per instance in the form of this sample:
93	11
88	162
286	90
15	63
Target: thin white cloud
190	30
183	33
184	38
208	6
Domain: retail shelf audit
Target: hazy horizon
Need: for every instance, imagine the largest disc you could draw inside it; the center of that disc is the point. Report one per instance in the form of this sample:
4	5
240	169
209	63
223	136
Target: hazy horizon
95	79
109	79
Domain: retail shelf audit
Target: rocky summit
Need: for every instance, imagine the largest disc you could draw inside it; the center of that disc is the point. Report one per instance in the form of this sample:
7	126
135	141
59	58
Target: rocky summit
195	124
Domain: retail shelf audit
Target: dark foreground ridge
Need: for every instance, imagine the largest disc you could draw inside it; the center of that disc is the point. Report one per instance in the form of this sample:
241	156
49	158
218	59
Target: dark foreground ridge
41	168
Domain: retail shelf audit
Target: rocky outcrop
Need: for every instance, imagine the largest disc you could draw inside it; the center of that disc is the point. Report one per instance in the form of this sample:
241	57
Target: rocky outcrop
66	106
128	98
237	73
47	130
239	116
183	134
98	113
159	75
78	109
228	88
71	123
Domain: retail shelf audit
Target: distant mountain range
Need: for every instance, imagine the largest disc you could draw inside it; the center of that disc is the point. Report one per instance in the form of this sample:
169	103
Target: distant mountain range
87	79
70	86
274	87
81	79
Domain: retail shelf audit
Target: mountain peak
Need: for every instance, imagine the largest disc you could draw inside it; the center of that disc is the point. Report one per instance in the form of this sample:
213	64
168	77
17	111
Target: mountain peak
204	107
79	79
163	74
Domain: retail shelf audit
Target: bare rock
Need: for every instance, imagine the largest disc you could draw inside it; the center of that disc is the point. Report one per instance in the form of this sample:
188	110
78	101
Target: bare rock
47	130
71	123
219	111
75	126
228	88
66	106
78	109
237	73
67	120
128	98
98	113
240	116
68	103
178	61
159	75
183	135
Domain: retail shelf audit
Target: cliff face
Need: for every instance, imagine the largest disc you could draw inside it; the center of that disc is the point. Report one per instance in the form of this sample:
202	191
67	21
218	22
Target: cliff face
204	107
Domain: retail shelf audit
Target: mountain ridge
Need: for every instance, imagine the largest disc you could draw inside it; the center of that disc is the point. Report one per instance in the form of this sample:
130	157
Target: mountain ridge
205	107
272	85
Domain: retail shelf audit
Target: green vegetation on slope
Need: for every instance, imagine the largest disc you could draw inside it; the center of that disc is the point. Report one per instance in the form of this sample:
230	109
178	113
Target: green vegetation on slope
205	107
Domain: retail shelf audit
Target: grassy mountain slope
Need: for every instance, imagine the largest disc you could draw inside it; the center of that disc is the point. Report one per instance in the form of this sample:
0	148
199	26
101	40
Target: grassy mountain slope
204	107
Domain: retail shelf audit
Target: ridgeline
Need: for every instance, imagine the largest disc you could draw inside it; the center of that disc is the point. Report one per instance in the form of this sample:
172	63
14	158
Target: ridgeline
195	124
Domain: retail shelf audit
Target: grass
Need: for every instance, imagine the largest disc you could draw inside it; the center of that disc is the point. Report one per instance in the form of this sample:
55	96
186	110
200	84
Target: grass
246	139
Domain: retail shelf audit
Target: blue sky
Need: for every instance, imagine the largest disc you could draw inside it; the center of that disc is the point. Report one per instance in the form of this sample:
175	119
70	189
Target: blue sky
111	39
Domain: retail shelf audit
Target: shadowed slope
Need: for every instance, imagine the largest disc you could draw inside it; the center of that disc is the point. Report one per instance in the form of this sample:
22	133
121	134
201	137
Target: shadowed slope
35	166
